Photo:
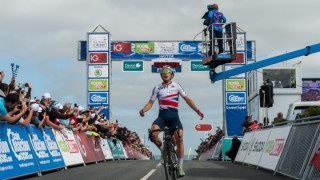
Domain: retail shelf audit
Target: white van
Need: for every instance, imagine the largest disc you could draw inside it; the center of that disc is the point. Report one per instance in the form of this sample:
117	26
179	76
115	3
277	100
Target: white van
300	107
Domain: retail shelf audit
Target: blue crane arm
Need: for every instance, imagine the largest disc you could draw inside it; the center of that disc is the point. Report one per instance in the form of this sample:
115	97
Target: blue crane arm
263	63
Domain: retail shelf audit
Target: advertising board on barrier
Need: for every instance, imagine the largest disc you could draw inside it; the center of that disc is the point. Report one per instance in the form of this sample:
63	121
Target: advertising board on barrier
85	149
244	147
274	147
95	147
69	148
316	158
16	157
256	146
120	150
106	149
113	149
46	149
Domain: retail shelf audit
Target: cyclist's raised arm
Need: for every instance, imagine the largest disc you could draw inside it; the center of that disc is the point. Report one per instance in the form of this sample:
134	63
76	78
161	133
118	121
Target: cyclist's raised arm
146	107
193	106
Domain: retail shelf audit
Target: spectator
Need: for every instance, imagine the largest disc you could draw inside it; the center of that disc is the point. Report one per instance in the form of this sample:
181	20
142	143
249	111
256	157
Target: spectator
246	124
44	104
279	118
234	148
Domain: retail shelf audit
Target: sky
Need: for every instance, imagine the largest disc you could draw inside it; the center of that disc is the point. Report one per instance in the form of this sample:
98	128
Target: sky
41	36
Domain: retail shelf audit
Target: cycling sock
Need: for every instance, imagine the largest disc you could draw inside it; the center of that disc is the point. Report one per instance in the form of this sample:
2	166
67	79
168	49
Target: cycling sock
180	162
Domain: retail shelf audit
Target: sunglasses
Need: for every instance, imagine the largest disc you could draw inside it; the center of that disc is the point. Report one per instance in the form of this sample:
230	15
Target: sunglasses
166	71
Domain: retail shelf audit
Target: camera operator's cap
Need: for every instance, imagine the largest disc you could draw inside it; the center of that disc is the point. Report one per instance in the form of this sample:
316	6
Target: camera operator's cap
46	96
58	106
35	107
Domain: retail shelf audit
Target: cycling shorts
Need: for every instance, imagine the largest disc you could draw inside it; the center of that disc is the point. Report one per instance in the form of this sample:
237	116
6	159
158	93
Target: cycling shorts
169	118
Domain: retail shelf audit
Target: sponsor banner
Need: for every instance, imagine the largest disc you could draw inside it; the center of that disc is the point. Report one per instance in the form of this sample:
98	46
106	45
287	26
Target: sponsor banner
274	146
203	127
98	85
244	147
120	150
68	147
98	42
166	47
251	50
106	149
99	71
185	50
229	67
144	47
82	50
316	158
113	149
130	152
98	58
132	66
98	98
188	47
235	114
95	147
226	146
256	146
198	66
236	98
124	47
84	147
240	42
16	157
239	59
235	84
208	154
157	64
45	149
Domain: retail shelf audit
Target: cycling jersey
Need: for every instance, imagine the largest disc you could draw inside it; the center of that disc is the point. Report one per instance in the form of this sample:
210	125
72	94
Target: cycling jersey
168	95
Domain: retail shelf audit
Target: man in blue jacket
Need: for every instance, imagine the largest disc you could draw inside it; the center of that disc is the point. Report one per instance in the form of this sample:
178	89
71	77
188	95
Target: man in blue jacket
216	18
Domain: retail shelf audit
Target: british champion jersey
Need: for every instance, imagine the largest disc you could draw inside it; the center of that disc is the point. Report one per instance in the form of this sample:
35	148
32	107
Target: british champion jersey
168	95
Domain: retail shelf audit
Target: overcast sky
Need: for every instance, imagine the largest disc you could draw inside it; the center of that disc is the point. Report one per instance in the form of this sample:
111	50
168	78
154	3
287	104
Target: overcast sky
41	36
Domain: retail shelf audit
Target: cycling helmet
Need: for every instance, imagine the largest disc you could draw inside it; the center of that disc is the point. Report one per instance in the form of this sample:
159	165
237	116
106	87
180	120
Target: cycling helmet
167	67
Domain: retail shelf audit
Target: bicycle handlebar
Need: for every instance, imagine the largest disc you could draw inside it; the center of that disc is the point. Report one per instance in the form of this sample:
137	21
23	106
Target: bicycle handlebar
164	129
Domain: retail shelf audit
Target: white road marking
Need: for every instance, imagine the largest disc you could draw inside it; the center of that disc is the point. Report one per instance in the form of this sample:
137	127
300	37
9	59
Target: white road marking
150	172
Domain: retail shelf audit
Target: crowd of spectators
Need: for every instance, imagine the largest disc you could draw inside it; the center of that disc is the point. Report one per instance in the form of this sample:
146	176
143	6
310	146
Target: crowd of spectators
209	142
17	107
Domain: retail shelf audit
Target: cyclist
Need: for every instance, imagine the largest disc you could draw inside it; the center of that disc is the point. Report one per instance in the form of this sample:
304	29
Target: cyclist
168	95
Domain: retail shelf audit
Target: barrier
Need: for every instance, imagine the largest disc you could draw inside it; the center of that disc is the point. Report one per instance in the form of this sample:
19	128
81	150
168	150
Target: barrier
244	147
105	149
96	148
297	154
45	149
218	151
16	156
69	148
208	154
84	147
313	170
120	150
226	146
113	148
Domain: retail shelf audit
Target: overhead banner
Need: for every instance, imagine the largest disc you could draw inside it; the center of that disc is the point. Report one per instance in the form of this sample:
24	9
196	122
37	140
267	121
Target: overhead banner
148	50
16	156
132	66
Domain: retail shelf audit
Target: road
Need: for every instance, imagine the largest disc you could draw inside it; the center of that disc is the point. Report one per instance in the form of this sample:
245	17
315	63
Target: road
152	170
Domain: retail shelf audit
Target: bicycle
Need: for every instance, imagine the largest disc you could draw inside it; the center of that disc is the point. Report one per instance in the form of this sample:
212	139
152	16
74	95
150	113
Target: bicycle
170	155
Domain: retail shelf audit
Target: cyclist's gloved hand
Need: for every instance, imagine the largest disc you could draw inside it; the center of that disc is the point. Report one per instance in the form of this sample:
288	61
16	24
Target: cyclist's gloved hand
200	114
141	113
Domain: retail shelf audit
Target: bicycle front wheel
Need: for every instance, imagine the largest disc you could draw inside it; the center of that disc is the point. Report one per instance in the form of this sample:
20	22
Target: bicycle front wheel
167	164
174	164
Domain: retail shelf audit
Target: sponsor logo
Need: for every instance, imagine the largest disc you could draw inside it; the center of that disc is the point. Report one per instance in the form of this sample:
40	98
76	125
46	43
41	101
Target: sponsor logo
166	48
19	146
51	145
187	48
38	146
277	147
4	149
235	84
98	58
198	66
121	47
98	84
132	66
99	97
236	98
98	42
72	146
81	147
244	146
144	47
